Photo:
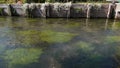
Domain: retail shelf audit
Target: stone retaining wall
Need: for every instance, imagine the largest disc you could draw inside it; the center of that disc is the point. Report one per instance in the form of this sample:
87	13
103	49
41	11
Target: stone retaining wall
64	10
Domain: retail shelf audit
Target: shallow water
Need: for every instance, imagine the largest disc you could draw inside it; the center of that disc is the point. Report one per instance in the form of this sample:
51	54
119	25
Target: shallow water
59	43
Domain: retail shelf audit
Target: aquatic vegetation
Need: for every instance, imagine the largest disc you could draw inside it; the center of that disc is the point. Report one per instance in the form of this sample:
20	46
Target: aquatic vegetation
2	19
72	25
31	20
84	46
118	51
2	47
22	56
116	25
116	56
1	10
32	37
112	39
56	37
71	45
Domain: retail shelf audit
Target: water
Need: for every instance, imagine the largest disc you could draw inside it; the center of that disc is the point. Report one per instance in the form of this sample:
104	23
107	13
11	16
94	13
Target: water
59	43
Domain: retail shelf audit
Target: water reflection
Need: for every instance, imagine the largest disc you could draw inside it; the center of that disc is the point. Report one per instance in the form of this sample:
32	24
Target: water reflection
59	43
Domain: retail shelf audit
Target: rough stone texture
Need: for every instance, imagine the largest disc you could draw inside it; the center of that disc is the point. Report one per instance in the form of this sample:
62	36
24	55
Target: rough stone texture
99	11
117	11
58	12
4	10
118	15
36	12
16	10
78	10
112	11
39	11
47	7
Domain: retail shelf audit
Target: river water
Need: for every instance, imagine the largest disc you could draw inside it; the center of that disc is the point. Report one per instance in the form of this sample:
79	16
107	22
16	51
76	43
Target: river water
59	43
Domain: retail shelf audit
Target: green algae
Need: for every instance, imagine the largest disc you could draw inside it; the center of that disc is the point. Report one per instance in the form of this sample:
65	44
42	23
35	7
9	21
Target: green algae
84	46
112	39
22	56
72	25
31	20
116	26
58	37
29	37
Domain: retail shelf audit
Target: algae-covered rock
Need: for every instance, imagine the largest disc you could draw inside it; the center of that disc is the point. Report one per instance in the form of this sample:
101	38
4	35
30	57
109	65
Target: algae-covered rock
58	37
32	37
21	56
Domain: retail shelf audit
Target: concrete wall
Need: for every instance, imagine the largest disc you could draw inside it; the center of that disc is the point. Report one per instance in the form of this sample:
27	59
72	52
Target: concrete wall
99	10
5	10
76	10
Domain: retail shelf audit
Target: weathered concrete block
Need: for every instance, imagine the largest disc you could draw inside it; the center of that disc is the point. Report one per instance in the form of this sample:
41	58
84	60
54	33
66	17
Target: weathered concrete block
112	11
39	10
17	10
64	10
118	15
78	10
99	11
117	11
60	10
29	10
5	10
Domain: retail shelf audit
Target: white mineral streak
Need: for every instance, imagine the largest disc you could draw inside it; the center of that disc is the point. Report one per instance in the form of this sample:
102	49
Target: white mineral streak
56	6
43	10
99	6
43	6
25	7
109	9
32	6
8	9
64	6
89	6
47	8
68	5
117	9
47	3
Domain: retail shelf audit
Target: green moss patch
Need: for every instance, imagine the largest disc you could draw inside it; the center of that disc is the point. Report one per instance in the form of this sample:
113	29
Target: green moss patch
33	36
21	56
